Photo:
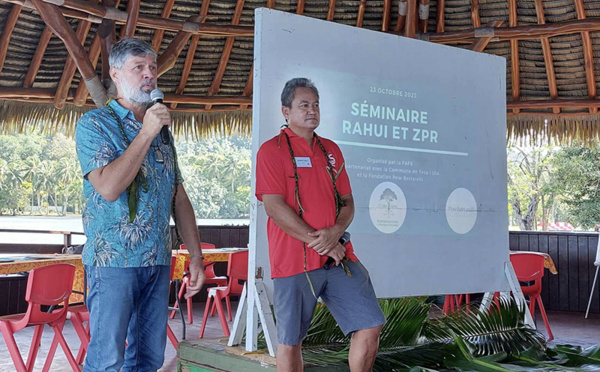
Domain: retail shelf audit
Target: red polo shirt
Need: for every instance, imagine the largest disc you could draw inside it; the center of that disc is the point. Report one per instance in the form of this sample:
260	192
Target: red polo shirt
275	175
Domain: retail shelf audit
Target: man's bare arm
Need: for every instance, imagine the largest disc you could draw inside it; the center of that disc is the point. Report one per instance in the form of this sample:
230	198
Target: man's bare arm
328	238
186	224
111	180
287	219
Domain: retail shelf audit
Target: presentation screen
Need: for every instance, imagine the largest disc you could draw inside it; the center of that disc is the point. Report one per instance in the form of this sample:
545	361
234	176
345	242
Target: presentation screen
423	131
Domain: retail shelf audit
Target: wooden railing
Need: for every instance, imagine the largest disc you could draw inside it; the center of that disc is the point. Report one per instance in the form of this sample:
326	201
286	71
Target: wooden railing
574	255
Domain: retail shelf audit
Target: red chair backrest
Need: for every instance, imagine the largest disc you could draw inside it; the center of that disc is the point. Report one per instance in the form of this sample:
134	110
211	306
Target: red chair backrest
529	266
237	269
49	285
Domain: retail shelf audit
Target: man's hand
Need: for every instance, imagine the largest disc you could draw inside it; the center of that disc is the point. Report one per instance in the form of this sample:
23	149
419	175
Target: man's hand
156	117
326	239
337	253
197	276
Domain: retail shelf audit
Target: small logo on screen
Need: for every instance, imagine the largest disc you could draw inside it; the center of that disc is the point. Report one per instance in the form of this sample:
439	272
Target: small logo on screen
387	207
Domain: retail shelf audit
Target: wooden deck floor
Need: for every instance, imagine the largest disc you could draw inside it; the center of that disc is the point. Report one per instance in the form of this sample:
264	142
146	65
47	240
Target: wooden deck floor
568	328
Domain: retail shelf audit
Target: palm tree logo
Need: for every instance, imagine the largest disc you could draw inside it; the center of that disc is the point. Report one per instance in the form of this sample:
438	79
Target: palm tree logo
389	197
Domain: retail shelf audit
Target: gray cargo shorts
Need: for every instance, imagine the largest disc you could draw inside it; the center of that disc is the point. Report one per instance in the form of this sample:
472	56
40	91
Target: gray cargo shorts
351	301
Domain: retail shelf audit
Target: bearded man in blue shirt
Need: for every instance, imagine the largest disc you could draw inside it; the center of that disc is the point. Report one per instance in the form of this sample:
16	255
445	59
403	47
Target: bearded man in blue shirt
133	185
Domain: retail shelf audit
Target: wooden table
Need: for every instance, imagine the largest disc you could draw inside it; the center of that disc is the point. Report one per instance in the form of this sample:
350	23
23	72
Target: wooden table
210	255
17	263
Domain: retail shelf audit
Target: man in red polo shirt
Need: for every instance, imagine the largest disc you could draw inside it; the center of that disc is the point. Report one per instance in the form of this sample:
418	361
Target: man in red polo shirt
303	183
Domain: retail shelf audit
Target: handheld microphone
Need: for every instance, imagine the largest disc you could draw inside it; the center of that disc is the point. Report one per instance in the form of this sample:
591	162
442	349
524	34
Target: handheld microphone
157	96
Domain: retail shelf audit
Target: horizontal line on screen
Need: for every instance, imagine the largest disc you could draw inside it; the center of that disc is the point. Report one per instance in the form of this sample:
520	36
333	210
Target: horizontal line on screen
398	148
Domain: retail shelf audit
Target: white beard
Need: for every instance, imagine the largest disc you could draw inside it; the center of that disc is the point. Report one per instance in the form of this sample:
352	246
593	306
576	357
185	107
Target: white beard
135	94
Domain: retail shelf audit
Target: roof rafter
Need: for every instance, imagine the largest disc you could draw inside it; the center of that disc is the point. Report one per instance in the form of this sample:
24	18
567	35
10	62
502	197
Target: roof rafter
67	77
387	8
218	78
475	13
515	71
133	13
331	10
36	61
158	35
94	53
361	12
517	33
480	44
539	10
53	18
167	59
410	30
96	13
401	20
440	16
191	52
588	55
7	31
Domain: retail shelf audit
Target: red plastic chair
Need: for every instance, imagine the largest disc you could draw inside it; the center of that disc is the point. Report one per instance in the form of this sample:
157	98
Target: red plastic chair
211	278
529	267
237	270
78	315
49	285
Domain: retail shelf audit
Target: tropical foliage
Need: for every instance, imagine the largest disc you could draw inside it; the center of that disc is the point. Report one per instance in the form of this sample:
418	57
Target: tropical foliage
41	175
467	340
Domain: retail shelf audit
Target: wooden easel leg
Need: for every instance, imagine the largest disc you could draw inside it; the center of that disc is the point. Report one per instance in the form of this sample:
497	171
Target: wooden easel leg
592	292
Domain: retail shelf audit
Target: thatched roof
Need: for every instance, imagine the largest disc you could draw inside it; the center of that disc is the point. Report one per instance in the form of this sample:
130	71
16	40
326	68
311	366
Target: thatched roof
551	49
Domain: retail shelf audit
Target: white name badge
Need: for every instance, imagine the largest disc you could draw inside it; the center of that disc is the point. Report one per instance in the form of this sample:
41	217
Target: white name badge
303	162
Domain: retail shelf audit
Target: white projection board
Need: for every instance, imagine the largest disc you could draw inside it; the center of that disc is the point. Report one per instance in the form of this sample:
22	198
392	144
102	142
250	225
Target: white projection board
423	131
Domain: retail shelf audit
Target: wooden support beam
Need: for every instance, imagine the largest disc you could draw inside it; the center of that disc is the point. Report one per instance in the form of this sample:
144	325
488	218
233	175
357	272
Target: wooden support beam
401	20
248	88
48	93
83	9
64	84
331	10
387	9
514	54
411	19
189	58
361	13
548	60
218	78
551	103
167	60
133	13
7	31
480	44
440	16
158	35
271	4
36	61
53	18
300	7
588	56
475	13
82	91
520	32
208	100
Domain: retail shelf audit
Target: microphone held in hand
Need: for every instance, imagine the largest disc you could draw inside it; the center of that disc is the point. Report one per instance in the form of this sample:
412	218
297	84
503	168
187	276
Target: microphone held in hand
157	97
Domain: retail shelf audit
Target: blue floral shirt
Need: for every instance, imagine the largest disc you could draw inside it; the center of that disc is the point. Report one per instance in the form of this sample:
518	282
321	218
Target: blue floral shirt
112	241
